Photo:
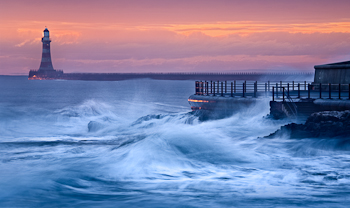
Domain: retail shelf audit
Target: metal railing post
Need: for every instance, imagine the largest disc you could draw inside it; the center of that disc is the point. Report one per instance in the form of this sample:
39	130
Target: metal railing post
243	89
225	86
211	87
234	87
245	86
308	91
265	89
320	90
222	89
255	88
268	86
273	93
199	92
218	87
298	90
208	93
276	90
283	93
231	89
214	88
293	85
201	88
288	89
305	85
196	87
207	88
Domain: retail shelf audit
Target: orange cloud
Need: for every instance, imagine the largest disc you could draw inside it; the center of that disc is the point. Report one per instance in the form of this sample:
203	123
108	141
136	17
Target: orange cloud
245	28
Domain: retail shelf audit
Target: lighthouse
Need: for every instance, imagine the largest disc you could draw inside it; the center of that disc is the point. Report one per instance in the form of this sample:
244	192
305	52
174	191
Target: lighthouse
46	70
46	63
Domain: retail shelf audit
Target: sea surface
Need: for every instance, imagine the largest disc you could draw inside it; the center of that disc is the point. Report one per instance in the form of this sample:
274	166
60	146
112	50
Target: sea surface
136	143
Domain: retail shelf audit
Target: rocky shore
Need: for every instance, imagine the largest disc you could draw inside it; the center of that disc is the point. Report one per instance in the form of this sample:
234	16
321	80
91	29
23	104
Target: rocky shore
326	124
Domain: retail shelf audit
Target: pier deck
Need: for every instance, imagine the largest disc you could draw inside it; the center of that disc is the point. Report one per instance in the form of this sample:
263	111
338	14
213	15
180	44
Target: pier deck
287	99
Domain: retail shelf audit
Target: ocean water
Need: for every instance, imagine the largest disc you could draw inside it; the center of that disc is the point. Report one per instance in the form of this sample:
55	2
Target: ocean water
136	143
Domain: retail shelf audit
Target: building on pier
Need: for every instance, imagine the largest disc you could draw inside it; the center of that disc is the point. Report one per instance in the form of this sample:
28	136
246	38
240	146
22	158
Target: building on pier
334	73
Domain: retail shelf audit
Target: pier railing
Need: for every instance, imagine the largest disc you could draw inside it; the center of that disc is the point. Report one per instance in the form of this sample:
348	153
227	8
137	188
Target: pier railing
312	91
243	88
280	91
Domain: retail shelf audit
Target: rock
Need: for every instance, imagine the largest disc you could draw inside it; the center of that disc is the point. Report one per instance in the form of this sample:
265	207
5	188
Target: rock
94	126
147	118
325	124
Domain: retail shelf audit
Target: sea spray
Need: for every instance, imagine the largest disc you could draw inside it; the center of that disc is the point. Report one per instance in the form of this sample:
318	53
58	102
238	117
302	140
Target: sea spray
145	148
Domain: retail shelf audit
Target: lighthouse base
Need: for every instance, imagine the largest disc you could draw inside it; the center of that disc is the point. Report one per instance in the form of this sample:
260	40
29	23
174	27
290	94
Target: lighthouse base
45	74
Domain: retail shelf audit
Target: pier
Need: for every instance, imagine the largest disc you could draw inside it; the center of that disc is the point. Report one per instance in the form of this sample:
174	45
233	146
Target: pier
302	103
330	91
244	88
296	99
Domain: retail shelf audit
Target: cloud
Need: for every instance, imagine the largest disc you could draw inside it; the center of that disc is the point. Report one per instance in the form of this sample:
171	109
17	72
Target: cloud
22	43
246	28
151	51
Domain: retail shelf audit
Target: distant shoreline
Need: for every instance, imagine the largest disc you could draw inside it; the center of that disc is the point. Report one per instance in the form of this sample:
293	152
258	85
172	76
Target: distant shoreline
13	75
59	74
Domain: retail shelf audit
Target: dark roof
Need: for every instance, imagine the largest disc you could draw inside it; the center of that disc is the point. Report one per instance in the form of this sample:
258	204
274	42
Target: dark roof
338	65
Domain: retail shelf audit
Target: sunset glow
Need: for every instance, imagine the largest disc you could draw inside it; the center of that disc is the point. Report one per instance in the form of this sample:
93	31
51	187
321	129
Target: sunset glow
174	36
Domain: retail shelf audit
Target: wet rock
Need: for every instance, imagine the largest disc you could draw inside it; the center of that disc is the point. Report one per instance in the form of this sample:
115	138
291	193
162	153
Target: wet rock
325	124
147	118
330	178
94	126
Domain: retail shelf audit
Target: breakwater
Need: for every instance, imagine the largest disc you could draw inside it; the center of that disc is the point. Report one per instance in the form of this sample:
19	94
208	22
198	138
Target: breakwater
59	74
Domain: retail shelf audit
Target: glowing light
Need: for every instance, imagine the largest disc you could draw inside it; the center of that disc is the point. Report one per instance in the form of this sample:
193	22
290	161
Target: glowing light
198	101
34	77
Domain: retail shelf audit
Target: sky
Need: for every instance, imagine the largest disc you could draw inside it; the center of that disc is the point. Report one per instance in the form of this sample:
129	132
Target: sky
174	36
